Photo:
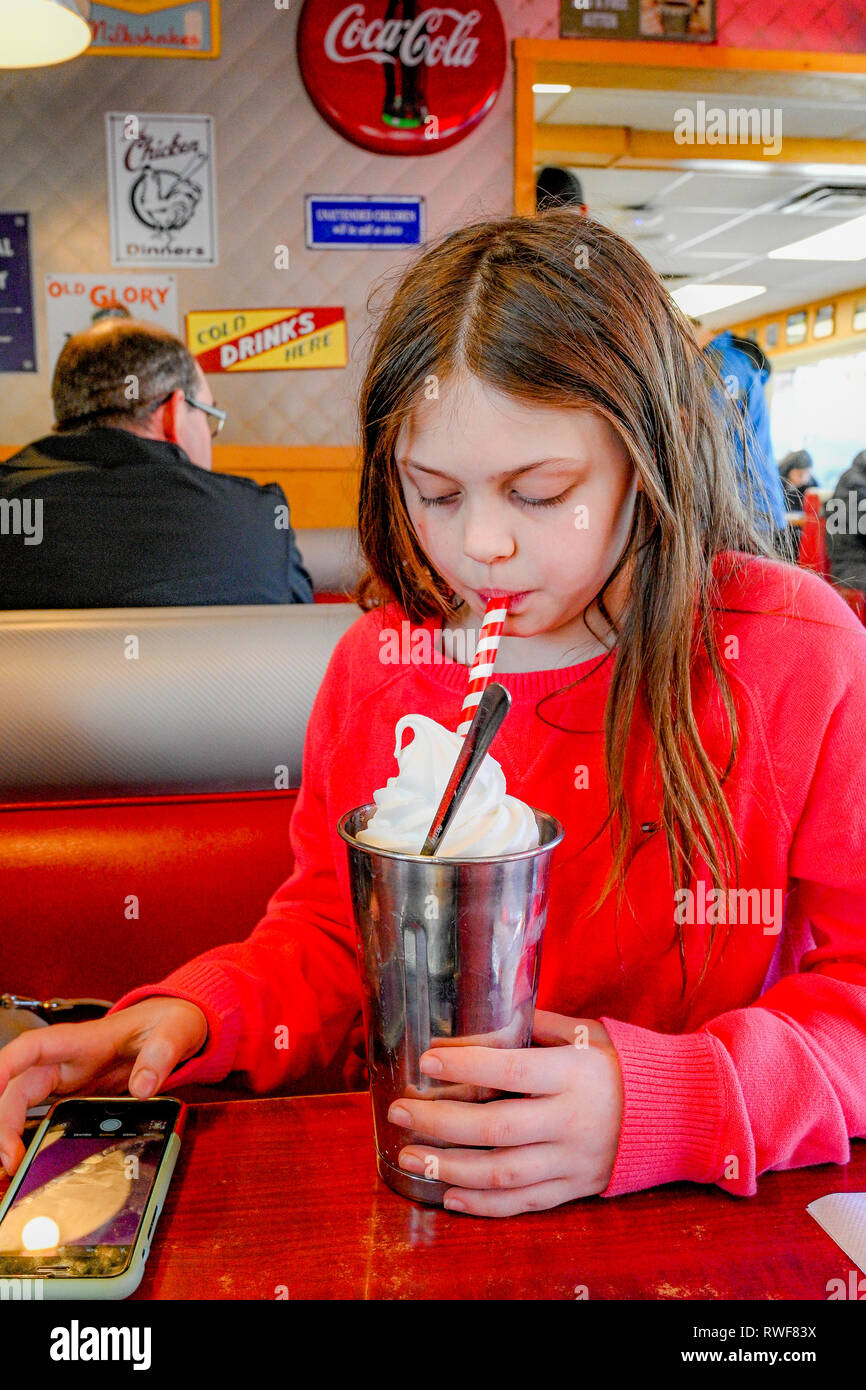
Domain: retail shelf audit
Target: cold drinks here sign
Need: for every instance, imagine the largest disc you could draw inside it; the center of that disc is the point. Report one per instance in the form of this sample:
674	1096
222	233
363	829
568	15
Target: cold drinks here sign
267	340
402	76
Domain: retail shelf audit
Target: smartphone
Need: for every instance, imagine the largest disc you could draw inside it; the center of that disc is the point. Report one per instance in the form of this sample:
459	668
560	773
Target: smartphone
79	1215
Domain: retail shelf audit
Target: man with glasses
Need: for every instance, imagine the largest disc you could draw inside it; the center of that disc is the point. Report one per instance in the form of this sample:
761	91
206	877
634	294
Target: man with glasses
129	510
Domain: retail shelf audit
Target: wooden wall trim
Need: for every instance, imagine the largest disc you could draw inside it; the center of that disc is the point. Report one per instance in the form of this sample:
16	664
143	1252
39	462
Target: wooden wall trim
844	331
645	53
234	458
320	481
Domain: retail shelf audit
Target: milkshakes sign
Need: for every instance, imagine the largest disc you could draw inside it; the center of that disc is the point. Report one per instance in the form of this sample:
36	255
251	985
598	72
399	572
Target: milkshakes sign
154	28
402	76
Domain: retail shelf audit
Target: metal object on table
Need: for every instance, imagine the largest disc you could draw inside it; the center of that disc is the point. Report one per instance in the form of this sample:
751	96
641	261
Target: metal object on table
58	1010
449	953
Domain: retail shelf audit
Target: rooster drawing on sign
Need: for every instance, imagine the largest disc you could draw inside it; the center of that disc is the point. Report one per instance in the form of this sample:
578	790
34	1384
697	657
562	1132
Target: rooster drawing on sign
164	200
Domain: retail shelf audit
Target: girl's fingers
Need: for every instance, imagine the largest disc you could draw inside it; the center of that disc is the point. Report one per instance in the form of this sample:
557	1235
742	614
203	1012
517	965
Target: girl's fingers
29	1089
497	1169
543	1071
62	1059
90	1044
27	1050
158	1057
496	1124
113	1082
540	1196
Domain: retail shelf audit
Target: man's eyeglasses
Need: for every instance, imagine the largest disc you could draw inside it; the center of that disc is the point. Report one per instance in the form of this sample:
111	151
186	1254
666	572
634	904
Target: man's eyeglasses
217	417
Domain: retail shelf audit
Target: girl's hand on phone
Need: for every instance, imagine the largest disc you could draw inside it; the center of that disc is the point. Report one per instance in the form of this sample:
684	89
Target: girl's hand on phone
102	1057
549	1146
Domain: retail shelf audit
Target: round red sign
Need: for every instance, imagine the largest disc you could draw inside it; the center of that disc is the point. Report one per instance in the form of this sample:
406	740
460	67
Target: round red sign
402	76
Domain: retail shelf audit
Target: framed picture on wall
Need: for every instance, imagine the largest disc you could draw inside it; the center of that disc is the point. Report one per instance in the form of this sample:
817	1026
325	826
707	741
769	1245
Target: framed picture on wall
680	20
796	326
825	321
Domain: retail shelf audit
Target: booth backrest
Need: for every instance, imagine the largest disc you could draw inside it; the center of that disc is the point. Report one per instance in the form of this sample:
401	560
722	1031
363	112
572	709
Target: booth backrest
332	558
146	701
149	763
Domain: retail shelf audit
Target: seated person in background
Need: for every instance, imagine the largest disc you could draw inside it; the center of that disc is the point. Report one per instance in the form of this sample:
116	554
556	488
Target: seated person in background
745	370
559	188
796	474
846	526
119	506
795	470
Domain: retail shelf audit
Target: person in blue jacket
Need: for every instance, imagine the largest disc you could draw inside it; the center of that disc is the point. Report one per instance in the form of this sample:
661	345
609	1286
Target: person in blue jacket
744	370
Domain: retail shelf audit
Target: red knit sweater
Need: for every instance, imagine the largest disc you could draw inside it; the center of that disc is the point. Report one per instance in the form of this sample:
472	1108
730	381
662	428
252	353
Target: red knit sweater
741	1075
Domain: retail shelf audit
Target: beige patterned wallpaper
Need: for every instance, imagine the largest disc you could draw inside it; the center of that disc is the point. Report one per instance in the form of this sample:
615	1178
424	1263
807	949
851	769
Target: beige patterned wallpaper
272	148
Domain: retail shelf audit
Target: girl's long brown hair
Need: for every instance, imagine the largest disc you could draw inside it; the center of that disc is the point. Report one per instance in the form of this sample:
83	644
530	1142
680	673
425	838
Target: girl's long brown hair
559	310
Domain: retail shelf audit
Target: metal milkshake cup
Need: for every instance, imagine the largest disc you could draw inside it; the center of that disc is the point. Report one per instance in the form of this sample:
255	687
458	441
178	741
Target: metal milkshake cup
449	952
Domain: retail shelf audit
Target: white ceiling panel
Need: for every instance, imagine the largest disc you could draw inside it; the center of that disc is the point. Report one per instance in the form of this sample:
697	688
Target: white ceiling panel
762	234
735	192
657	110
715	219
720	227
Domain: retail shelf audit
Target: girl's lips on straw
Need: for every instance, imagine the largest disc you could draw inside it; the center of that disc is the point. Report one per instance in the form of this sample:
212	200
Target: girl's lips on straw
514	598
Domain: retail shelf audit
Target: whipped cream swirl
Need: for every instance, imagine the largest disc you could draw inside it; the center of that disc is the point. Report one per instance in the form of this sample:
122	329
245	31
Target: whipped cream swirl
487	822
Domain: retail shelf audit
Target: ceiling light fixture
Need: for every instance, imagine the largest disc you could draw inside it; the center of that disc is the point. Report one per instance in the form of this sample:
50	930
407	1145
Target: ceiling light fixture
39	33
697	300
847	242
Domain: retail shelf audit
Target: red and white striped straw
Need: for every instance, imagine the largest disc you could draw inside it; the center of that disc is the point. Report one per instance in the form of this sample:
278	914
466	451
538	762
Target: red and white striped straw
485	658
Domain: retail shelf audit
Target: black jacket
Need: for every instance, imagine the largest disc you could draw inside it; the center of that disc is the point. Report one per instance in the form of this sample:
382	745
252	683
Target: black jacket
795	497
846	526
133	522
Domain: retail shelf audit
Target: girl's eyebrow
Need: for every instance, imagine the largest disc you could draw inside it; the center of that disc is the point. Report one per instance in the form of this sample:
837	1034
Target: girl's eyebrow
510	473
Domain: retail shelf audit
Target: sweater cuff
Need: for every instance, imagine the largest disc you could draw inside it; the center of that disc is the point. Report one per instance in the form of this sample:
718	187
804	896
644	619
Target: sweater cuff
206	985
673	1108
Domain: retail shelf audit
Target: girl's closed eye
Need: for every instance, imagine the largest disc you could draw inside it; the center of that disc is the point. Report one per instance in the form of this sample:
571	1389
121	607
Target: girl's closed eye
521	501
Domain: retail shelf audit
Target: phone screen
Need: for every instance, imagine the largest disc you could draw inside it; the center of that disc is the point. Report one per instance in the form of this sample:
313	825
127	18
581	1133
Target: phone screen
78	1208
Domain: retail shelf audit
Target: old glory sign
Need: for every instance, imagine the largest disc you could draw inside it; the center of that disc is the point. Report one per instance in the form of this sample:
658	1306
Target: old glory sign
402	76
267	340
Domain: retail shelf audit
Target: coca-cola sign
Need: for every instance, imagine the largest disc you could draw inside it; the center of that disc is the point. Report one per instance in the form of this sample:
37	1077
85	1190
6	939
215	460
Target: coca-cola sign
402	76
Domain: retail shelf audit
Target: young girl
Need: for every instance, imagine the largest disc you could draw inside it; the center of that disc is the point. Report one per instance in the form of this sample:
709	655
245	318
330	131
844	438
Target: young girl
538	421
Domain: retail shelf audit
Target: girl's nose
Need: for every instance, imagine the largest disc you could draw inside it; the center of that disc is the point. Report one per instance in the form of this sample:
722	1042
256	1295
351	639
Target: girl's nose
486	536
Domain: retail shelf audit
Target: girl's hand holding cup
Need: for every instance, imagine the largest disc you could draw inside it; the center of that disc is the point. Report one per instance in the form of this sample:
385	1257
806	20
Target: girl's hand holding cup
556	1141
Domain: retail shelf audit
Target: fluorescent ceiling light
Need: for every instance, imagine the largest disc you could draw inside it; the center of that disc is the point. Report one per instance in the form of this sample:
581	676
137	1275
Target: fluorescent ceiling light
39	33
705	299
847	242
550	88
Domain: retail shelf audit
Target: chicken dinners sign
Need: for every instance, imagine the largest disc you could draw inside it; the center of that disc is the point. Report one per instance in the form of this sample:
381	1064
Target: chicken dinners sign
161	189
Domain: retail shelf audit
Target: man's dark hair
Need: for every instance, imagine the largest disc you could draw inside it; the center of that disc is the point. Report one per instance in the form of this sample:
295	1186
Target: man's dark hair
116	372
755	354
557	188
799	458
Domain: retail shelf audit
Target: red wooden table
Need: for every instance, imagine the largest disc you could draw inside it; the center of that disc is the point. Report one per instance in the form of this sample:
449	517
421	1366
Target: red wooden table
279	1198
